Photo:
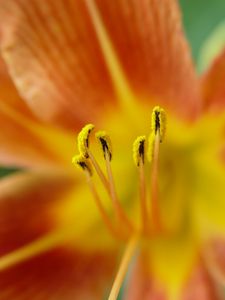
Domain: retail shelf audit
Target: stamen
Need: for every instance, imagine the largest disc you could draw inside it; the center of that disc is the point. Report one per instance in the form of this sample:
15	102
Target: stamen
82	163
129	252
83	139
156	137
139	157
105	142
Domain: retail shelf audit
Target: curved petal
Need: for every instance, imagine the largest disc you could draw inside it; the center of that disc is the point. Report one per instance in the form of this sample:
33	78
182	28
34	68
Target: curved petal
26	202
142	285
162	268
25	142
59	275
8	92
50	268
214	255
56	59
151	46
63	67
213	87
200	285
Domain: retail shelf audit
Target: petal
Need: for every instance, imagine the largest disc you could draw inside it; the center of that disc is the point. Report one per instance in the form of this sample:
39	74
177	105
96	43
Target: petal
28	197
58	42
8	92
56	270
25	142
60	275
214	255
142	285
213	87
200	285
150	43
63	66
162	268
28	143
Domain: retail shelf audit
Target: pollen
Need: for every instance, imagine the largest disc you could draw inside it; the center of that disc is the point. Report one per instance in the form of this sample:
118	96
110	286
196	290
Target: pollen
139	150
159	122
82	163
83	140
105	142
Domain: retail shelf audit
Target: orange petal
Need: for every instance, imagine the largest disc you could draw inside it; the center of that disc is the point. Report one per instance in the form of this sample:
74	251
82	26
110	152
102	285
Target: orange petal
60	272
57	62
142	284
24	140
54	58
8	92
26	202
60	275
214	254
150	43
200	285
213	86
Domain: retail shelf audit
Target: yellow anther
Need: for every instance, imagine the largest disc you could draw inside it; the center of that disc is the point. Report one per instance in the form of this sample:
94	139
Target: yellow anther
139	150
82	163
105	141
159	122
83	139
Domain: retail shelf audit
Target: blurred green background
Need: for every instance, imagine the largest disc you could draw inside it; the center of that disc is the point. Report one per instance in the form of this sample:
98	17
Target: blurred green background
200	18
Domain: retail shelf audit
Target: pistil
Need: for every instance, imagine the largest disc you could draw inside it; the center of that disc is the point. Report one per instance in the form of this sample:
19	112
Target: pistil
123	268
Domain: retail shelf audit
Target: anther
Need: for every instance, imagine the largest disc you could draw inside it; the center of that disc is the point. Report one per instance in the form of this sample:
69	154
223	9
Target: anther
83	139
139	150
105	142
158	129
159	122
82	163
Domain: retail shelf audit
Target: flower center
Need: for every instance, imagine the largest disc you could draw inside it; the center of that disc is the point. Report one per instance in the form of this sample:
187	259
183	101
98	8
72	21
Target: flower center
121	226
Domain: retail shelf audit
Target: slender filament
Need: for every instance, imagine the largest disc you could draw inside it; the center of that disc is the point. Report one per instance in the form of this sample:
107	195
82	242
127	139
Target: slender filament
154	186
143	200
118	208
100	206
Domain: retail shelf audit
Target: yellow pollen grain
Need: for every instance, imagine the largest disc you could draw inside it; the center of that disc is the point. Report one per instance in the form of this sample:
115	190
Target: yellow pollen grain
83	139
82	163
159	122
105	142
139	150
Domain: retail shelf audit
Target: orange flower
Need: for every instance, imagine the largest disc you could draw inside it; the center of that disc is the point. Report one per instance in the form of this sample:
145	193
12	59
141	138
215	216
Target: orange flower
109	63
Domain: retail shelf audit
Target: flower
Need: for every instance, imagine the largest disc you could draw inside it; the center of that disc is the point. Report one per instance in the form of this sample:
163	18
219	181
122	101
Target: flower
110	63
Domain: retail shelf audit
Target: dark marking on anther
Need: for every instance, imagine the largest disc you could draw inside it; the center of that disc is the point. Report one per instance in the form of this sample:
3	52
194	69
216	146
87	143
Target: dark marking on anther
105	148
84	166
157	121
87	139
141	150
